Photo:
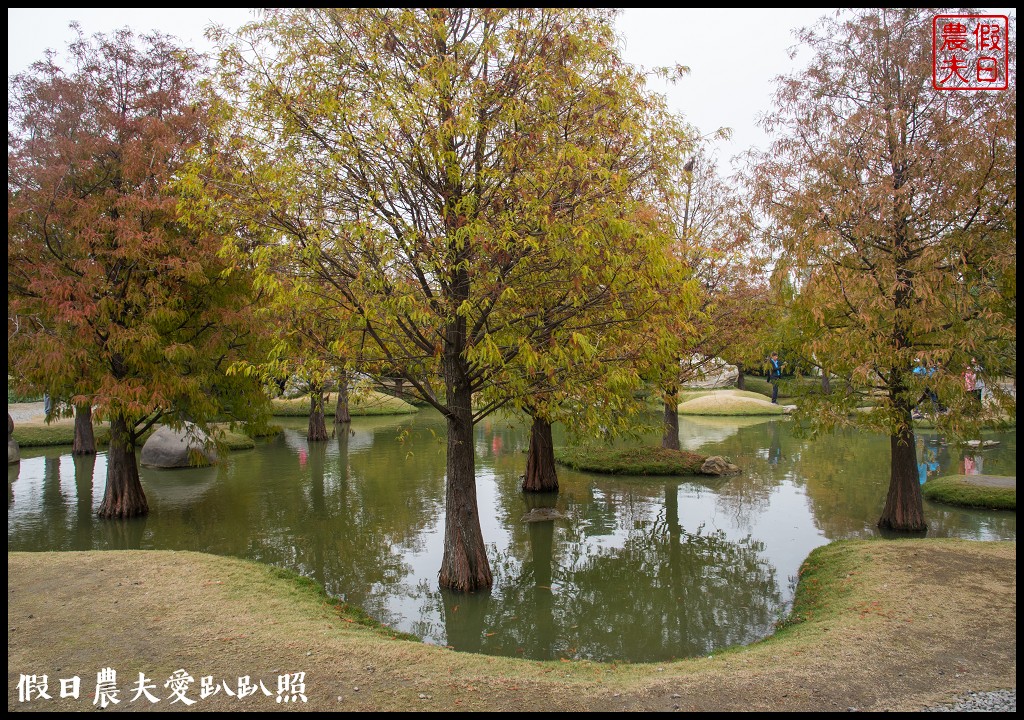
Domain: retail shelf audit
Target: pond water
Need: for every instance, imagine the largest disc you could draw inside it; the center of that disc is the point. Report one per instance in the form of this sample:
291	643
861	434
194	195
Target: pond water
641	569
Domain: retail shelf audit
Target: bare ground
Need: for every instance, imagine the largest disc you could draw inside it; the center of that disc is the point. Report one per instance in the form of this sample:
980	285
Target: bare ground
915	622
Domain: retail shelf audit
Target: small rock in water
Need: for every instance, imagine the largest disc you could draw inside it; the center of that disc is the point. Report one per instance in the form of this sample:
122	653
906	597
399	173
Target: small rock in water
542	514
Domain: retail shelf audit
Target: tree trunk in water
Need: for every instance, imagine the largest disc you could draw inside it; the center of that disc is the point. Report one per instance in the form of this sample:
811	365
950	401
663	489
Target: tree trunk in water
541	476
123	497
670	427
904	508
464	567
317	425
341	413
741	384
85	440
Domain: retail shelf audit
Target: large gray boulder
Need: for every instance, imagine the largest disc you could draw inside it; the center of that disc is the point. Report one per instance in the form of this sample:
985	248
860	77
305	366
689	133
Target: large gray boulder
711	374
13	453
187	447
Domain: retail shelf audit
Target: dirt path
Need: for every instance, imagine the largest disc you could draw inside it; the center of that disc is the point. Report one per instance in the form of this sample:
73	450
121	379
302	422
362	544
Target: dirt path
26	412
909	624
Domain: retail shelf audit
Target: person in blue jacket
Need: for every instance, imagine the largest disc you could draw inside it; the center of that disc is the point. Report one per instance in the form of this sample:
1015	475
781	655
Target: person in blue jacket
774	373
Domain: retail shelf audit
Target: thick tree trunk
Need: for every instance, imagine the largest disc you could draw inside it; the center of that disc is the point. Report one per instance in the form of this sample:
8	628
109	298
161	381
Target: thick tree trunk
341	413
541	476
123	497
826	382
904	508
741	384
85	440
464	567
317	425
670	426
400	388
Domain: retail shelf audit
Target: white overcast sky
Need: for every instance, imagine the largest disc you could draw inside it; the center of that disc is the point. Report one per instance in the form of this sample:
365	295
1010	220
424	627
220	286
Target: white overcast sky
733	53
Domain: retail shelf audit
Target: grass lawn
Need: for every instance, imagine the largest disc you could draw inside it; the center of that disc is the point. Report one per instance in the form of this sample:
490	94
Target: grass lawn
368	402
687	395
874	626
730	402
992	492
62	432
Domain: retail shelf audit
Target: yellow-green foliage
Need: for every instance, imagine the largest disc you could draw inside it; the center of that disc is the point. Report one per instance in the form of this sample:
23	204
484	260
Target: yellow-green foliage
367	402
973	491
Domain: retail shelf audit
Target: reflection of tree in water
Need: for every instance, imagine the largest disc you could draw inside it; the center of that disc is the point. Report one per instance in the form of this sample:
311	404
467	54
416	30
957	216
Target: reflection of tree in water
122	534
335	547
500	436
85	466
339	517
13	471
364	508
41	520
847	476
932	454
53	498
666	592
355	511
766	453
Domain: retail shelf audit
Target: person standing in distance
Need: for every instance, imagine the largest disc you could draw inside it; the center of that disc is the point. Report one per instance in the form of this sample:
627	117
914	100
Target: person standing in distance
774	373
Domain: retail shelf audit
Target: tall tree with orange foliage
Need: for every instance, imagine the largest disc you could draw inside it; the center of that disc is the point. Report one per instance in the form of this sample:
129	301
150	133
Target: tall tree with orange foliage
112	302
895	203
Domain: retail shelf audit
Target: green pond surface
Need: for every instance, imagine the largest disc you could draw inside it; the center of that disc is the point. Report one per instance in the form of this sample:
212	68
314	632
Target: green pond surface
640	569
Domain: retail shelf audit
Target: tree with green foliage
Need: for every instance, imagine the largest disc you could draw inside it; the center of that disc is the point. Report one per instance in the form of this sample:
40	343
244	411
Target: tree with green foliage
113	303
896	207
716	239
589	371
443	170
